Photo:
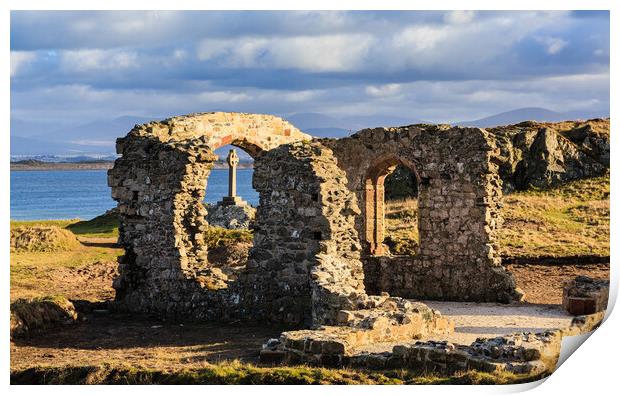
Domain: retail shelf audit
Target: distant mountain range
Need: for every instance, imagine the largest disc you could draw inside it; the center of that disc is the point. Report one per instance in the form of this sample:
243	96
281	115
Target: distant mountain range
529	114
98	138
91	138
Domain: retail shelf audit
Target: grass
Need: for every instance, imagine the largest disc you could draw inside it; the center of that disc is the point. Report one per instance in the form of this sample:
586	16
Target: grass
241	373
42	239
221	237
36	273
570	220
566	221
401	226
105	225
28	315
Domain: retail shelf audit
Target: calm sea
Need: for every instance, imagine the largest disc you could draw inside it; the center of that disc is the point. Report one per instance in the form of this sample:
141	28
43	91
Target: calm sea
66	194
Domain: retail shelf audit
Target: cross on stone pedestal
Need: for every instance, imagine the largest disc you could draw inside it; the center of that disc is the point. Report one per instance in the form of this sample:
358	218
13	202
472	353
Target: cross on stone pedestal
232	199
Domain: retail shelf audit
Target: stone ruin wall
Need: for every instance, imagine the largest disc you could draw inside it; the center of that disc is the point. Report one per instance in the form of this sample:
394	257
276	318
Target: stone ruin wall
305	263
159	183
459	193
310	257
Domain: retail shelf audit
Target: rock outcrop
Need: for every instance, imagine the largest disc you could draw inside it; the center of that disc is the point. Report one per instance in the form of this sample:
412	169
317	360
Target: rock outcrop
546	154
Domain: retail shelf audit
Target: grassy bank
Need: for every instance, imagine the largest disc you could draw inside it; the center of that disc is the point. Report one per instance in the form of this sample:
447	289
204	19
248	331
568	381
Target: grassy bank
101	226
240	373
568	221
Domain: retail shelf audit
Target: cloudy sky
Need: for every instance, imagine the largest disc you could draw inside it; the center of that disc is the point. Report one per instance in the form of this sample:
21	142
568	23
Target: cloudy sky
76	67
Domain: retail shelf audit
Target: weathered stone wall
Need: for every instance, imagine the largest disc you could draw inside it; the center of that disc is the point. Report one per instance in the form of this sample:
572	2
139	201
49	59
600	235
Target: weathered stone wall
305	262
159	183
528	353
313	223
458	201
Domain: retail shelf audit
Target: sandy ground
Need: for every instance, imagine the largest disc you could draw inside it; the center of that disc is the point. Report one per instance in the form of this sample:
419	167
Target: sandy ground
474	320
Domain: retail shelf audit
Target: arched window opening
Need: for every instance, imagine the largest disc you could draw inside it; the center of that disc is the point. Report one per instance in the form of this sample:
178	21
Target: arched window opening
391	212
218	187
231	202
401	212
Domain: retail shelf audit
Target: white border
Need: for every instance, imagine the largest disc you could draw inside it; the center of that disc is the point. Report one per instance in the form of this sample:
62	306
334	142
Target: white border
592	369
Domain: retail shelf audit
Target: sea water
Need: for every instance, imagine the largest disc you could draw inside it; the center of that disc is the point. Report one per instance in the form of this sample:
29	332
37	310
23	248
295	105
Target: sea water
84	194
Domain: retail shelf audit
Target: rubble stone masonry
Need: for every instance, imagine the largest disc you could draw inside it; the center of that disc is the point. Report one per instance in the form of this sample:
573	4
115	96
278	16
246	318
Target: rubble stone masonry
318	228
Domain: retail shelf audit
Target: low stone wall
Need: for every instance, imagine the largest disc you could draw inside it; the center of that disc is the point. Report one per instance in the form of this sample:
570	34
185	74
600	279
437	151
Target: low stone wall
411	276
386	320
520	353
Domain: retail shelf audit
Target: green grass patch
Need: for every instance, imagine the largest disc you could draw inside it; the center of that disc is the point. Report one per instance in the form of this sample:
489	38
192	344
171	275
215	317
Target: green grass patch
103	225
241	373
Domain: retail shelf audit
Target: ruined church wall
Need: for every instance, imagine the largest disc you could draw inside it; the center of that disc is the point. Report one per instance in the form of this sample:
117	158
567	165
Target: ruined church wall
304	265
310	259
459	197
159	182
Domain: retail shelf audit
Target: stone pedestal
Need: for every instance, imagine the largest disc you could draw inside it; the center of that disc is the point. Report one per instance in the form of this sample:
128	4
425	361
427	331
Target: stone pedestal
585	295
233	201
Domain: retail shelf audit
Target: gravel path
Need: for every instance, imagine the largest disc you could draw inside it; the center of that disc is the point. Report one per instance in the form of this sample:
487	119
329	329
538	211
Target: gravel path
474	320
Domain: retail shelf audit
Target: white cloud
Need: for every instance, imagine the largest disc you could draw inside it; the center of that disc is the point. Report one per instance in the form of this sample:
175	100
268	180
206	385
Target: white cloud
223	96
553	45
340	52
383	90
19	59
458	17
97	60
421	38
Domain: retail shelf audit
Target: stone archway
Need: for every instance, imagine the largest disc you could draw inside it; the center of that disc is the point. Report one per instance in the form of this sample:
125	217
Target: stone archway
159	183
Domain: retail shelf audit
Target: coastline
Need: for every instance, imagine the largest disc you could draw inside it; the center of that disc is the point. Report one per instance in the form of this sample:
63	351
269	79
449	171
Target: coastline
93	166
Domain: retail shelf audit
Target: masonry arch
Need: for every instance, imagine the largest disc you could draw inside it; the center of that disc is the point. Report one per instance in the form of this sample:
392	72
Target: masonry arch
160	182
374	198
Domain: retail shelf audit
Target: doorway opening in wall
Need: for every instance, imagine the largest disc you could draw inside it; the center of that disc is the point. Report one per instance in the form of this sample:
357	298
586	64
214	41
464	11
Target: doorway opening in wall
230	201
391	218
401	212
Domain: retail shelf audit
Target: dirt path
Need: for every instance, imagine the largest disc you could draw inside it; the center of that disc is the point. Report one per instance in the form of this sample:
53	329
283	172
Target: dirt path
543	283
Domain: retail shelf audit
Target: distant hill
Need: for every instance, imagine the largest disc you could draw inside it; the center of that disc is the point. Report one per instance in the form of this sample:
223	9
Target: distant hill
29	146
89	138
99	137
322	123
329	132
97	133
527	114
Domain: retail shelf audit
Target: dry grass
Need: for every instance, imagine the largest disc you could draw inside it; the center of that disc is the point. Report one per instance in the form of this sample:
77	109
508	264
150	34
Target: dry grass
401	226
28	315
235	372
42	239
70	272
570	220
36	274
